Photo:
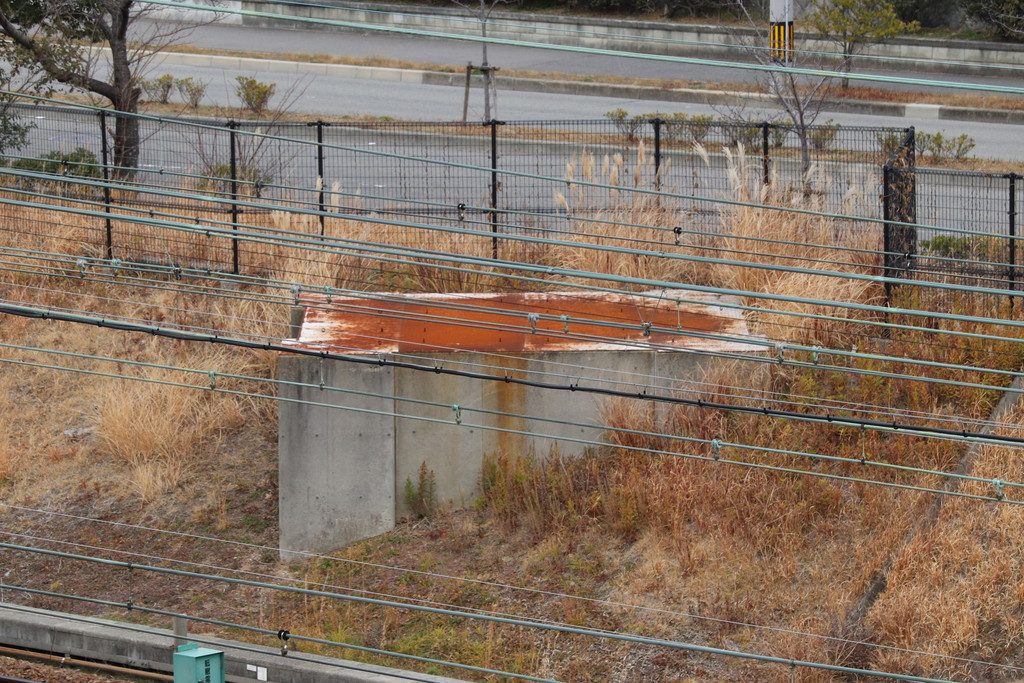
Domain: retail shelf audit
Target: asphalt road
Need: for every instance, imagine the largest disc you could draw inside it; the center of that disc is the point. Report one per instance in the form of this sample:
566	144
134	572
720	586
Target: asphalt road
458	53
333	96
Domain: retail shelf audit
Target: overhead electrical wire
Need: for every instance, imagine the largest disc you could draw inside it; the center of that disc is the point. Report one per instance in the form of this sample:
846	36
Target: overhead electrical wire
211	271
629	377
276	577
715	446
773	351
636	388
130	606
540	626
483	582
438	368
745	66
546	241
747	308
997	485
460	263
542	29
312	208
648	381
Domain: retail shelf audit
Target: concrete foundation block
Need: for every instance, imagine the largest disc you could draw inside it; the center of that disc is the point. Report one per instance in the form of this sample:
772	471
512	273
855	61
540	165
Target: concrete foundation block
336	467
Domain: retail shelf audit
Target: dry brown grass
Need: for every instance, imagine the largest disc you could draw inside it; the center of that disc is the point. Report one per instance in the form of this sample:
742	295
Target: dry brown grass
794	551
158	431
760	236
8	462
686	535
956	589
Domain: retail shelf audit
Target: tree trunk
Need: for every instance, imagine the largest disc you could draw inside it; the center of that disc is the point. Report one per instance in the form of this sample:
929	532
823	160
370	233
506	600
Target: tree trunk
847	65
803	133
487	75
127	138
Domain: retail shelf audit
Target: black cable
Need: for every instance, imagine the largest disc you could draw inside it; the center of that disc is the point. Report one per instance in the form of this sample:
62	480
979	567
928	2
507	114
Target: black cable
380	361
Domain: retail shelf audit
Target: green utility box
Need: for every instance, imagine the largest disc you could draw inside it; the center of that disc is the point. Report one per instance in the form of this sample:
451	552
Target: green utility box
194	664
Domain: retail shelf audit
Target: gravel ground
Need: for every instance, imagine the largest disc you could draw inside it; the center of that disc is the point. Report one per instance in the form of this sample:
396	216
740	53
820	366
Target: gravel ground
42	673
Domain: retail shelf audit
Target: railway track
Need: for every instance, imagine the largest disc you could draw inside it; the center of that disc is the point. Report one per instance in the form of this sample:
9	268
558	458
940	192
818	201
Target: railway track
84	665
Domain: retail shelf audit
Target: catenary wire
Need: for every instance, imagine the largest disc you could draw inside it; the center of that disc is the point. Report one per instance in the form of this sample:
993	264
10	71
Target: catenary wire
569	630
491	584
764	68
326	306
381	361
778	347
390	254
714	444
997	484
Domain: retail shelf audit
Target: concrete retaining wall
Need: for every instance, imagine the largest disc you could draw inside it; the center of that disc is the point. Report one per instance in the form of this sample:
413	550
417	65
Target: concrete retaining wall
151	648
621	34
343	472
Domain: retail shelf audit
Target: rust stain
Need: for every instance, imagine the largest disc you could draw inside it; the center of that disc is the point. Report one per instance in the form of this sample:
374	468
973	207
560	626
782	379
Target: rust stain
509	400
511	323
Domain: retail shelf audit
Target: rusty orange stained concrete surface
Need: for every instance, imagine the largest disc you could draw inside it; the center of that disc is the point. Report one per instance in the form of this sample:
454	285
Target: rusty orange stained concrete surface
385	322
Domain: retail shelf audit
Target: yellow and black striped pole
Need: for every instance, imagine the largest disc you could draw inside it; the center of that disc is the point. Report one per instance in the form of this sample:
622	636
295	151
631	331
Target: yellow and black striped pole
780	41
780	32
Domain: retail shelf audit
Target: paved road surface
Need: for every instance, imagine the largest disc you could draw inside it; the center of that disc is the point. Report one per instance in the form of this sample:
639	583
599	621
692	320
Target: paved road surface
453	52
328	95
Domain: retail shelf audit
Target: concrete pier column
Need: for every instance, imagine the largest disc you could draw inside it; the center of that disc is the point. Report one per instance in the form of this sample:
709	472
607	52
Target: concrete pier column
336	479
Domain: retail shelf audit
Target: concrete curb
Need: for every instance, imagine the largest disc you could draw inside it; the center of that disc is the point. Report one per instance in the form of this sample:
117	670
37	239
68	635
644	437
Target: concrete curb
612	90
151	648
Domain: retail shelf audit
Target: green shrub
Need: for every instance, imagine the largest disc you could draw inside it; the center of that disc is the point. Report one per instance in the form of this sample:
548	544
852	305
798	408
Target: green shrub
79	162
889	143
255	95
251	179
824	136
192	90
421	495
991	249
628	126
748	135
159	89
940	148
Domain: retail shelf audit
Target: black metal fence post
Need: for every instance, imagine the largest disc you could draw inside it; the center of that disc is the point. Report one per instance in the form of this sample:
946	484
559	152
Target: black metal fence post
1012	225
656	123
320	172
766	177
105	156
899	211
232	126
886	233
494	186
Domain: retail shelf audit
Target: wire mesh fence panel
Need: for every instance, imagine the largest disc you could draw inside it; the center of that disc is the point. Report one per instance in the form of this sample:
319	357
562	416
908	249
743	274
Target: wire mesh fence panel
1014	217
567	156
705	159
973	210
414	168
52	133
839	165
646	175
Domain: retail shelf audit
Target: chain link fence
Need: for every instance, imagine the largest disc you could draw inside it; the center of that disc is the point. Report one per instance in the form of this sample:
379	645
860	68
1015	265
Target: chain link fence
497	176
